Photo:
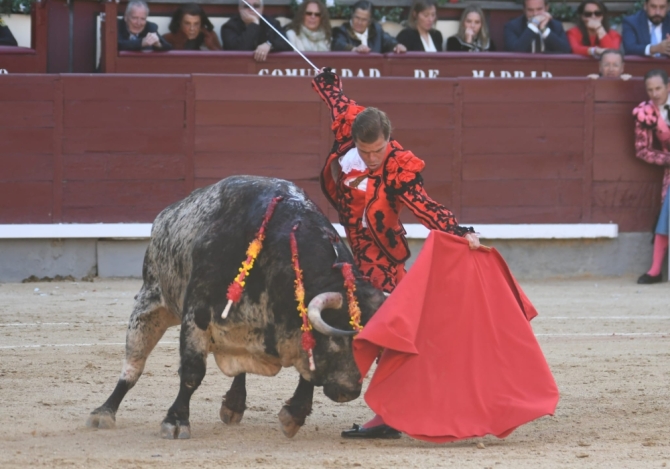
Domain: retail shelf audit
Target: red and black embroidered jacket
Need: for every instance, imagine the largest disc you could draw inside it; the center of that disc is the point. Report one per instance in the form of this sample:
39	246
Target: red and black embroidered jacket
397	183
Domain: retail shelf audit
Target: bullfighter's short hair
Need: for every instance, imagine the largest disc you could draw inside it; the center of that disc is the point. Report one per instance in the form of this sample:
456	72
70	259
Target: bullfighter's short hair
369	125
657	72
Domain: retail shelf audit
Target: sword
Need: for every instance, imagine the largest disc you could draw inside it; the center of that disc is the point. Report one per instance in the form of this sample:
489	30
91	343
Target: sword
317	69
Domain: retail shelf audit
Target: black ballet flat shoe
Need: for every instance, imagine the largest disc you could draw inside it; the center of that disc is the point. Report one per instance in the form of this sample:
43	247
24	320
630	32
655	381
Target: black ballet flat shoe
646	279
379	431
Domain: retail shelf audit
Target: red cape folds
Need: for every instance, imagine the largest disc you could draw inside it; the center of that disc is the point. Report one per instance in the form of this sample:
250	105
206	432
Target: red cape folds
460	359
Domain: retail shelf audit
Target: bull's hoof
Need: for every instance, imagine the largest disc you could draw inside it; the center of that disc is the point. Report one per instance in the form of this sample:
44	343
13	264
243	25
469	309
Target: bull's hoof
289	426
230	417
178	430
101	418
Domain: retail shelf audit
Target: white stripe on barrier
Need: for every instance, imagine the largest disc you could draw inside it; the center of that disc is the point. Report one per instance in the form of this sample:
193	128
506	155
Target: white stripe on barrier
414	231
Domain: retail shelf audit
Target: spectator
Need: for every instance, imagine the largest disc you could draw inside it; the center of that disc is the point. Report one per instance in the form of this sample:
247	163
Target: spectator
245	31
310	29
190	29
592	35
473	33
364	35
421	35
6	36
136	33
652	144
647	32
611	65
536	31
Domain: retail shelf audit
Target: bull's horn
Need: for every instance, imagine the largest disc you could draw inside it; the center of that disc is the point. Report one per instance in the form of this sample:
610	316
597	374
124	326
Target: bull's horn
317	305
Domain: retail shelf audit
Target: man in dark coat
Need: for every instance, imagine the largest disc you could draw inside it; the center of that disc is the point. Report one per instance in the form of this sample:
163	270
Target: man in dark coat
246	31
136	33
6	36
647	32
536	31
363	35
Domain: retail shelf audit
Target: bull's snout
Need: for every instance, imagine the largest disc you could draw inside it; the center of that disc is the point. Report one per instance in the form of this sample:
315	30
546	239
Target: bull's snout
339	393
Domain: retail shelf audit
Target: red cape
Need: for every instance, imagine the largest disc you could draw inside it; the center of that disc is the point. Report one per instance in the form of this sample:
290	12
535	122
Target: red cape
460	359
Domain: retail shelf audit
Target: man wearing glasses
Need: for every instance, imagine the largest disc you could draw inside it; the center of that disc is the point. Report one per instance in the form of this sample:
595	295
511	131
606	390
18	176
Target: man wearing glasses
245	31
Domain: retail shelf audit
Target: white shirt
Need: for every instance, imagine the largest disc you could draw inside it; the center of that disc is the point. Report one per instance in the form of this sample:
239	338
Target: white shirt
362	37
654	31
664	111
428	46
350	161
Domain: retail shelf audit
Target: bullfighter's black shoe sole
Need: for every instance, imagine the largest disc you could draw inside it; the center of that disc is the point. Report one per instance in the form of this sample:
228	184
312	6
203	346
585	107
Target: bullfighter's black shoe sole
379	432
646	279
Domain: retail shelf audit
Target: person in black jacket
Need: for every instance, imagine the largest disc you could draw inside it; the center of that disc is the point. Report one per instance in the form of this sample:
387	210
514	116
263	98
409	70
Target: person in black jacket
6	36
473	33
536	31
136	33
421	35
363	35
246	31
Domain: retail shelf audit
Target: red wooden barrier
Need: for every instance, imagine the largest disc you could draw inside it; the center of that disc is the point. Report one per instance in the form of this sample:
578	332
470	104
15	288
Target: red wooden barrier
119	148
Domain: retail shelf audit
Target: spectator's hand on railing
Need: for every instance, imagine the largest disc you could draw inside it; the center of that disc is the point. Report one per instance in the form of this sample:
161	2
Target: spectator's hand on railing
362	49
151	40
262	51
400	49
626	76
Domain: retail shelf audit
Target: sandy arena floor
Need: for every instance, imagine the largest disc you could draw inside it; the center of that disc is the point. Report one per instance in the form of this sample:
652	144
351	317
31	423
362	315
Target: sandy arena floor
61	349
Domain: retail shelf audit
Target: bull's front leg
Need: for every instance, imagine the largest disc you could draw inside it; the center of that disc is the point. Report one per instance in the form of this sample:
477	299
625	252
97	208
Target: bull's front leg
235	401
292	416
193	350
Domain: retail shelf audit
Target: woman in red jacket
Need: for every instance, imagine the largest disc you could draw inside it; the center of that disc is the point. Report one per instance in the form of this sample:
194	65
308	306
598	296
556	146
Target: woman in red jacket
592	35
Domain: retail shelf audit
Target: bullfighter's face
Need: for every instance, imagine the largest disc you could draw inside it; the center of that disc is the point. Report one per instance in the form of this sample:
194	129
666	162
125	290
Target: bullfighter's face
657	90
373	154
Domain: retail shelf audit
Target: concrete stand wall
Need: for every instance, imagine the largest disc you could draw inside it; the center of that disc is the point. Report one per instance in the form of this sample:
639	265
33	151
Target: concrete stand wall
629	254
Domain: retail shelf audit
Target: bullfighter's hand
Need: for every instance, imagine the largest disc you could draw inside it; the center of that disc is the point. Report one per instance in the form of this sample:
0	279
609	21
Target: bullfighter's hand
400	49
261	52
473	240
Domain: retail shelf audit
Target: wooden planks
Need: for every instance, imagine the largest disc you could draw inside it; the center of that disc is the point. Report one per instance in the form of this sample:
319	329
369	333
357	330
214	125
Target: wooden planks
123	145
119	148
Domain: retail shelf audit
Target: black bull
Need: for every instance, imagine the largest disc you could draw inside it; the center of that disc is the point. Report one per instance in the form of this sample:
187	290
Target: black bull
197	246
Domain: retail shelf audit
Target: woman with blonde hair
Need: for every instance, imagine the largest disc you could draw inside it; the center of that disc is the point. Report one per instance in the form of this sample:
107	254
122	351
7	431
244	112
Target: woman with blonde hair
310	29
421	35
473	33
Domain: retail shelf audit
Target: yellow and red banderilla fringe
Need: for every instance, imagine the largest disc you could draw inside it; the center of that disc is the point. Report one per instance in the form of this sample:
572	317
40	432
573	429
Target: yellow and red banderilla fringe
236	288
307	339
350	285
